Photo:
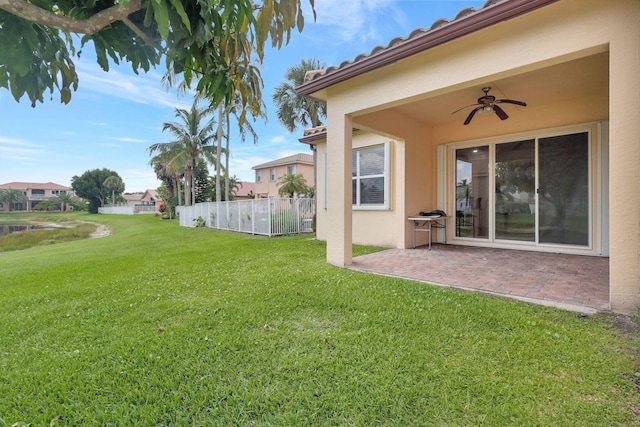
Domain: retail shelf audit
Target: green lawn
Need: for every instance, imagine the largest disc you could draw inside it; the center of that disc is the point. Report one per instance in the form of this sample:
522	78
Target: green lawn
158	325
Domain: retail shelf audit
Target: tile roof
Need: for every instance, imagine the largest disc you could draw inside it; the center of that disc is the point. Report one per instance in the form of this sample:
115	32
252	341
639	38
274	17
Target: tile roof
441	31
34	185
290	160
247	187
313	134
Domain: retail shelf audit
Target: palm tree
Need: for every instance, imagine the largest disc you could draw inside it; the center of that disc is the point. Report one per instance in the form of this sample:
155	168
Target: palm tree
113	183
11	197
244	128
295	110
193	140
64	199
169	170
291	184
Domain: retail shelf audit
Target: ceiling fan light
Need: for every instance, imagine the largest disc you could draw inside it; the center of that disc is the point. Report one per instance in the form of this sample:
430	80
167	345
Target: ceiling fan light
488	109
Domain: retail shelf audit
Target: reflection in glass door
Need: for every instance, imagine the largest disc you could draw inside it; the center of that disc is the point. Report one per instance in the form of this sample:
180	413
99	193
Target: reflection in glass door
515	203
564	189
472	192
534	191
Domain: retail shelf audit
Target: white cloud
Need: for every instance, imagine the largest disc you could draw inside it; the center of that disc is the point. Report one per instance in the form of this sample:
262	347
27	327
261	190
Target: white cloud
359	20
16	149
139	180
126	139
13	141
141	88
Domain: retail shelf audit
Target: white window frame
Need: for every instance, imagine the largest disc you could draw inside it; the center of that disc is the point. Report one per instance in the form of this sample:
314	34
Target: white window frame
385	174
259	176
272	174
291	170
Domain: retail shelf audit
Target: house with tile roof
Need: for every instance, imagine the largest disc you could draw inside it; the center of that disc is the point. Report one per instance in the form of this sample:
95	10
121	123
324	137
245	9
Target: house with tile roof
268	174
147	202
246	191
518	119
35	192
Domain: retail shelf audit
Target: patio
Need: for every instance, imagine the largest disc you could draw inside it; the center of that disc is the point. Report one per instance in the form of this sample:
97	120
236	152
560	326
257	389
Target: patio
572	282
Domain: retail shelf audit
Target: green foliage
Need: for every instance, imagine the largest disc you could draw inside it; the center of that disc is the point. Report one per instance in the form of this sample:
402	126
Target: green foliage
199	222
141	328
90	186
211	41
116	186
193	141
201	183
292	184
295	110
11	197
234	186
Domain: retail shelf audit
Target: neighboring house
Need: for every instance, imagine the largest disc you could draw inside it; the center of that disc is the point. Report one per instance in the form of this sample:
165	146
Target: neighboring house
36	192
144	202
245	191
559	175
268	174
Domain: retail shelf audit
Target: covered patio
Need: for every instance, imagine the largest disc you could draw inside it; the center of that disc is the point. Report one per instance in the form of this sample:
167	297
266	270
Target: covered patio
572	282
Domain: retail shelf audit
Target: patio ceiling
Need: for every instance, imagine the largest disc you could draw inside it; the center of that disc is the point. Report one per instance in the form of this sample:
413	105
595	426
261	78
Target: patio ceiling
585	79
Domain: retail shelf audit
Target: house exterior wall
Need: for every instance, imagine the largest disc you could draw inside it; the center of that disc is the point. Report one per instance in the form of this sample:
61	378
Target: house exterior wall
35	193
269	188
366	222
558	33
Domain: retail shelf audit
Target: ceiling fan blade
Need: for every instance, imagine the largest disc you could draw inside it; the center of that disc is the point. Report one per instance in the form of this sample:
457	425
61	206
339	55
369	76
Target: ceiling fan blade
460	109
500	112
473	113
511	101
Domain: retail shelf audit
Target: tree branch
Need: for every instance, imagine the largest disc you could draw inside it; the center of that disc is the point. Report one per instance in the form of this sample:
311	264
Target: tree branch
137	31
89	26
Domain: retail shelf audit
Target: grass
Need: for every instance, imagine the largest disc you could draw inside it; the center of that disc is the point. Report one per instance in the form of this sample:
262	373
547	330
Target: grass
162	325
68	229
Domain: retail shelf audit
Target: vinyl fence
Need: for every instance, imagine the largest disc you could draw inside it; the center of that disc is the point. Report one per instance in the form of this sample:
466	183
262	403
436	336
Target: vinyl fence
270	217
127	210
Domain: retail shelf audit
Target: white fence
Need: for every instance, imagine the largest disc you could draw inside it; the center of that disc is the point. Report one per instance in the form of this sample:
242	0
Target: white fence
127	210
269	217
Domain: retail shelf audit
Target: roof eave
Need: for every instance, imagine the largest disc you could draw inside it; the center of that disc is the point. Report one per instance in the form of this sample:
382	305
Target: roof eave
460	27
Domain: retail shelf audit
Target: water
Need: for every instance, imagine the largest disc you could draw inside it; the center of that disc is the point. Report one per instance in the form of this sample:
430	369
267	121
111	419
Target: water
8	228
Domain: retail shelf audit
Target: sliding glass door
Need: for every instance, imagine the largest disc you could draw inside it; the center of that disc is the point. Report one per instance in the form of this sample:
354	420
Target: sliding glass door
540	195
515	197
472	192
563	189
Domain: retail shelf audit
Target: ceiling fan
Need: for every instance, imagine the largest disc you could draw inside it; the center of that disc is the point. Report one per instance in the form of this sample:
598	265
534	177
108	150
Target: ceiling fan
488	103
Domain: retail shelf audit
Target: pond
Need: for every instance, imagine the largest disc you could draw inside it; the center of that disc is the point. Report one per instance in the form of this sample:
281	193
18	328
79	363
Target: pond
6	229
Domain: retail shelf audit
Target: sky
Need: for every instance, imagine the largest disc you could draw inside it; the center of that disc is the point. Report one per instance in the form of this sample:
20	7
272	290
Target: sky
115	116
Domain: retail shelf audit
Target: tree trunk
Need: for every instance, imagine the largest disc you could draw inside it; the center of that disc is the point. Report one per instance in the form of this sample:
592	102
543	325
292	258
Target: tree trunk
187	185
177	188
219	152
226	164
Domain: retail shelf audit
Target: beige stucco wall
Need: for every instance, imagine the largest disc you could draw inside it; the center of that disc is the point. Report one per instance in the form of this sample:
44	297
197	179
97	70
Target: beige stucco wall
555	34
367	229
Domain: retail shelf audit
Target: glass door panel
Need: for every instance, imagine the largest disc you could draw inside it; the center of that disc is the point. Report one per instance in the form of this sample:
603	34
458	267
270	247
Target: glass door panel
563	189
515	203
472	192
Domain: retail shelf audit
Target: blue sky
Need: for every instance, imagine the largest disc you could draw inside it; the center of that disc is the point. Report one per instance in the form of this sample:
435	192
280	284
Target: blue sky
114	117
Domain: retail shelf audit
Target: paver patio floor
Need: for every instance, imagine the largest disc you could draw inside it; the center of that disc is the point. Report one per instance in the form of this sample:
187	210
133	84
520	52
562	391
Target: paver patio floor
574	282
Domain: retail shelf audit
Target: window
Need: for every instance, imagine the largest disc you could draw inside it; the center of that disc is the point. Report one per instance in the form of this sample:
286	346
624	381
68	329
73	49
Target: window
370	181
258	176
291	170
272	173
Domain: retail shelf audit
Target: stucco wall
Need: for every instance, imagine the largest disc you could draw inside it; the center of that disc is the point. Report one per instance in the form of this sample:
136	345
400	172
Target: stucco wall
367	229
270	188
555	34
